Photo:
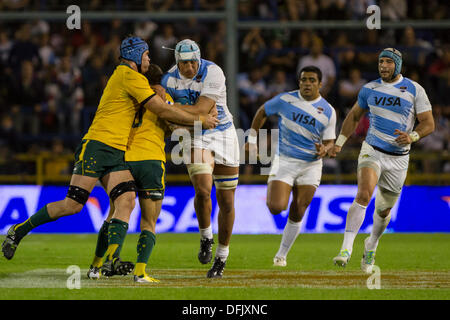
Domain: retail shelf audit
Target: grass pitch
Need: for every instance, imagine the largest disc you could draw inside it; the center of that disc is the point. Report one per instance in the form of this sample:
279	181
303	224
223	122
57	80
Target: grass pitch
413	266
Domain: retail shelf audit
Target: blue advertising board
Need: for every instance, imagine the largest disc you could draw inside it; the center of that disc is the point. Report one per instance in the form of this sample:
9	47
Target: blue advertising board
419	209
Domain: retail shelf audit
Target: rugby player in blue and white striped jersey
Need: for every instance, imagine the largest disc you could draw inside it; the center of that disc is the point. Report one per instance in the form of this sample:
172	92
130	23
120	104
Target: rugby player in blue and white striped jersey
307	129
393	102
200	84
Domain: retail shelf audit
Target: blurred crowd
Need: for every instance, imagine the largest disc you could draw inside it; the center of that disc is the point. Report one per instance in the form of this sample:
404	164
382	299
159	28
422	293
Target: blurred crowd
51	78
292	10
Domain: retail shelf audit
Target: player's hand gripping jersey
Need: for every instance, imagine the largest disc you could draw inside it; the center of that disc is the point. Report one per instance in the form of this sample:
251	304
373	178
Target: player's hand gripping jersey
301	123
146	141
122	98
392	106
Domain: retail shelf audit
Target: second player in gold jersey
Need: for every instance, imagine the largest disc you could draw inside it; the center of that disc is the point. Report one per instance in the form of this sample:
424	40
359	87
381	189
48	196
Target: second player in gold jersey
126	91
146	140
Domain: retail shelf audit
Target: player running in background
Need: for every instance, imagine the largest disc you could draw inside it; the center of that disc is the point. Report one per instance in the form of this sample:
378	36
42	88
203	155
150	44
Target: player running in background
200	84
393	103
100	155
146	158
307	124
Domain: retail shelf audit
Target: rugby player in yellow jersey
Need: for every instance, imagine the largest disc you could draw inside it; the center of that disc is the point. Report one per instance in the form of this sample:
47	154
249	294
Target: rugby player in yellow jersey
146	157
100	155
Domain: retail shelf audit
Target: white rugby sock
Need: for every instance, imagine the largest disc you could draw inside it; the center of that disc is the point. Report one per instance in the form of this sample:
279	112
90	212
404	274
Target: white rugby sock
379	225
222	252
355	218
290	233
206	233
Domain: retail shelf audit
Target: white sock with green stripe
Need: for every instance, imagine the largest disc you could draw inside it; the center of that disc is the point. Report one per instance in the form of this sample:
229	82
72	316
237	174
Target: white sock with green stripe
355	218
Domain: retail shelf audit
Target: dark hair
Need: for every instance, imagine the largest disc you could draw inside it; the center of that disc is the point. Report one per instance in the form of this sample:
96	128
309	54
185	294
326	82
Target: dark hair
154	74
311	69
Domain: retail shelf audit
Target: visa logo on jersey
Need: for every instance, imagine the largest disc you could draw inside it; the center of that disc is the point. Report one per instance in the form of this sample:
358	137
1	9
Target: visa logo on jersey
384	101
302	118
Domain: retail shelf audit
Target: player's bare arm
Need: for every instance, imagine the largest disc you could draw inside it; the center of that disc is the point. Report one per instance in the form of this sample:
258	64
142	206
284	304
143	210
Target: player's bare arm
348	127
323	148
203	105
424	128
178	115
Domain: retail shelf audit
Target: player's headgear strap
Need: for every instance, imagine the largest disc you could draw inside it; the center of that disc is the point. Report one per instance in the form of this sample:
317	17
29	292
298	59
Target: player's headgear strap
132	48
395	55
187	50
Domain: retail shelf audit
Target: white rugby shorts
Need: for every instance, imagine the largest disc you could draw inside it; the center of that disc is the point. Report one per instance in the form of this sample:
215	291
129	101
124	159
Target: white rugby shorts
391	170
295	171
223	144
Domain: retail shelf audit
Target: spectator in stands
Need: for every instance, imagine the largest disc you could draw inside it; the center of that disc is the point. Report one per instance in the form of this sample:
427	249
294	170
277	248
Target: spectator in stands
93	80
278	56
436	142
23	49
439	73
5	47
46	51
158	5
318	59
212	5
394	10
145	29
252	92
69	96
252	44
27	97
415	50
166	39
278	83
13	4
298	9
358	8
349	88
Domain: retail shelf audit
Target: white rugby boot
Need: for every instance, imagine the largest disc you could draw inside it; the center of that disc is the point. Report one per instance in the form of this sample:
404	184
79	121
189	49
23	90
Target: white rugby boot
342	258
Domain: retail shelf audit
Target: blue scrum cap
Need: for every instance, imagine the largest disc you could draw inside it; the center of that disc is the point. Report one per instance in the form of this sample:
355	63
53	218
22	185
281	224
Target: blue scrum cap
132	49
395	55
187	50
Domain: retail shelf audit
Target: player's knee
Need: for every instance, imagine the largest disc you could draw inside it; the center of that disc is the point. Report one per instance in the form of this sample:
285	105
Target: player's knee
275	207
127	201
384	213
71	207
203	194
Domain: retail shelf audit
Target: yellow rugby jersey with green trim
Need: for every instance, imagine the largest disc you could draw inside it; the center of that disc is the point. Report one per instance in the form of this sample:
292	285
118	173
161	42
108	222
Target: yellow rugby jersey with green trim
146	140
121	99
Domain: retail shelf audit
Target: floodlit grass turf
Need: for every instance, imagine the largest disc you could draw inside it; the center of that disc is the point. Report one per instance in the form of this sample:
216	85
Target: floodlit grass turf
413	266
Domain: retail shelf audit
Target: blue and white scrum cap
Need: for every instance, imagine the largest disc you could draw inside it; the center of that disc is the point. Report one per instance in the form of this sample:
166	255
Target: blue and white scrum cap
187	50
395	55
132	48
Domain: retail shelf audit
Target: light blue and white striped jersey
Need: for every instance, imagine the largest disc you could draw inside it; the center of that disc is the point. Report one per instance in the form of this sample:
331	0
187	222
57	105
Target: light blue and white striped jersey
301	123
209	81
392	106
